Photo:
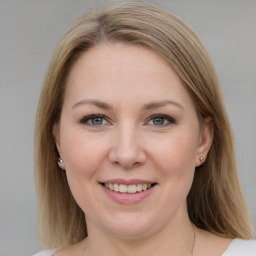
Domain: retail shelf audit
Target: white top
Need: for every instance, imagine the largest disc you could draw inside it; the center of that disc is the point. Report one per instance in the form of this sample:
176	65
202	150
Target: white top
237	247
46	252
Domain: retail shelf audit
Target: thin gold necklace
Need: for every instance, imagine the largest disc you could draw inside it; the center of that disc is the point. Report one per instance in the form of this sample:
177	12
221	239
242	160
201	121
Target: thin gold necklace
194	240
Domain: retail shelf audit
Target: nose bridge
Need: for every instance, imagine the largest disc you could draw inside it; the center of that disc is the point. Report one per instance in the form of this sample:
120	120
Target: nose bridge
127	150
127	138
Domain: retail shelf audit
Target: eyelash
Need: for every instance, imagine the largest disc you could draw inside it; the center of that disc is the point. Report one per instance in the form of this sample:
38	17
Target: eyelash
85	120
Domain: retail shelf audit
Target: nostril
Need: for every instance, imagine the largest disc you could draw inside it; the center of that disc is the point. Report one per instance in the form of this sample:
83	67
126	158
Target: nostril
127	165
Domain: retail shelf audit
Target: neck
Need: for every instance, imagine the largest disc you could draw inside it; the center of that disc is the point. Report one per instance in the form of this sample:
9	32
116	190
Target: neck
176	238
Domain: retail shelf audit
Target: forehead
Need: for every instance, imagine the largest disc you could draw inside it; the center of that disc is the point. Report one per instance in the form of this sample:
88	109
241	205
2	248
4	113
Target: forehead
124	70
124	58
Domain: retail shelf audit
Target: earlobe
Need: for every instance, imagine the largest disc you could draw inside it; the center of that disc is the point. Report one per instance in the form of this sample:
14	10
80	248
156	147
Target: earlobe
56	135
205	141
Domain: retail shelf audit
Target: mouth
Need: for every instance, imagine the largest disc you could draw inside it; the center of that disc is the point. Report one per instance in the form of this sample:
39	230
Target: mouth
128	189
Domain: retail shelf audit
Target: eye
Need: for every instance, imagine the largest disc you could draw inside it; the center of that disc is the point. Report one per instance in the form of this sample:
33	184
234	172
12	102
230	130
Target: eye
94	120
161	120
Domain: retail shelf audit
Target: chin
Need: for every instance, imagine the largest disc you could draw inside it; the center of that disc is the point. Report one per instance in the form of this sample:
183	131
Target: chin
130	226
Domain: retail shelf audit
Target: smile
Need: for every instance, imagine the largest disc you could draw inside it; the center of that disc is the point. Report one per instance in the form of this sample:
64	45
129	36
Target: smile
129	189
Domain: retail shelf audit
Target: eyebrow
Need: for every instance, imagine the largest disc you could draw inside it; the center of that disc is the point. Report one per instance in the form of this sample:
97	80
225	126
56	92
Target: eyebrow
148	106
159	104
96	103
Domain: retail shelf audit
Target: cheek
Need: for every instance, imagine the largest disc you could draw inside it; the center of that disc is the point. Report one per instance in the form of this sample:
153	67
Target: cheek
82	155
176	151
176	156
83	158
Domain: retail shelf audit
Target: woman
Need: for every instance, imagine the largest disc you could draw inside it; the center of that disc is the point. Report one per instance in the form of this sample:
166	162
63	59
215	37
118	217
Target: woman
134	152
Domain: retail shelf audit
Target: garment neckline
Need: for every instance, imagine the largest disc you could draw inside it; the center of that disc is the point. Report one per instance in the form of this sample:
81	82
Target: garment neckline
229	247
53	251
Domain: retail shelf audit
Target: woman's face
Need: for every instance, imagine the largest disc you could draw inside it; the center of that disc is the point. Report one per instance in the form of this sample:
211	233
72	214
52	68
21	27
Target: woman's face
130	140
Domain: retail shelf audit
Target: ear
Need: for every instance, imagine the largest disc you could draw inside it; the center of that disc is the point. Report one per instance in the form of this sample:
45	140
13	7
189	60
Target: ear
205	140
56	135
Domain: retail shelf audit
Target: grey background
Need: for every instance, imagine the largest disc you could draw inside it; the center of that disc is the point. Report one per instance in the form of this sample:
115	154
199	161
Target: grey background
29	33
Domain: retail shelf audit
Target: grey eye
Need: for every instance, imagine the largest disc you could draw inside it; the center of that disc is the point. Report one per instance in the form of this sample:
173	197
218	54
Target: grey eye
159	121
96	121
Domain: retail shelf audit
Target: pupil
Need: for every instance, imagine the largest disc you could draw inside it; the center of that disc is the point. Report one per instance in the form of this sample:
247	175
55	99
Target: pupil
158	121
97	120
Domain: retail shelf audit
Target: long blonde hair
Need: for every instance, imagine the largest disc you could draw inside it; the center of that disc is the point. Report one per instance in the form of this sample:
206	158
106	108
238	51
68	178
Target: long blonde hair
215	202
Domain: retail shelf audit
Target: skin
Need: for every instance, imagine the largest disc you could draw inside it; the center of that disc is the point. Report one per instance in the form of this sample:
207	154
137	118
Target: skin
130	142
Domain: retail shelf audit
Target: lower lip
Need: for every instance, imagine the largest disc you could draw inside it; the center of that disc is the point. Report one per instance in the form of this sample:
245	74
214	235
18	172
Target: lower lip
126	198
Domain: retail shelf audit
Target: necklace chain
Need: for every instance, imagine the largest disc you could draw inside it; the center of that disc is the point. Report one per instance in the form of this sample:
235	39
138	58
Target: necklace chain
194	240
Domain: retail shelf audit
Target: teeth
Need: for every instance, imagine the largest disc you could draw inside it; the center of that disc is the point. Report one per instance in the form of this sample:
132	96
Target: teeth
116	187
123	188
139	187
111	186
130	189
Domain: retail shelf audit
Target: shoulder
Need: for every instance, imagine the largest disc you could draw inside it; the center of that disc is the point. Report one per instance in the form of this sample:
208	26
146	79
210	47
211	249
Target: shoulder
46	253
240	247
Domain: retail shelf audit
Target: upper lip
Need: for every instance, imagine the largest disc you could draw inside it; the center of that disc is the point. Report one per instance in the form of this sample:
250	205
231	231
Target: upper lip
128	182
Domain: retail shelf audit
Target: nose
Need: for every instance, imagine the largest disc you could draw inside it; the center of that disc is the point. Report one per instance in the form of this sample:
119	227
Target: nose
127	150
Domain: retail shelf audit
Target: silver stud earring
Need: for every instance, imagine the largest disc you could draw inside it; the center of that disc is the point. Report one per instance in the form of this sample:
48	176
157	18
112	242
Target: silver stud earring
60	162
201	159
